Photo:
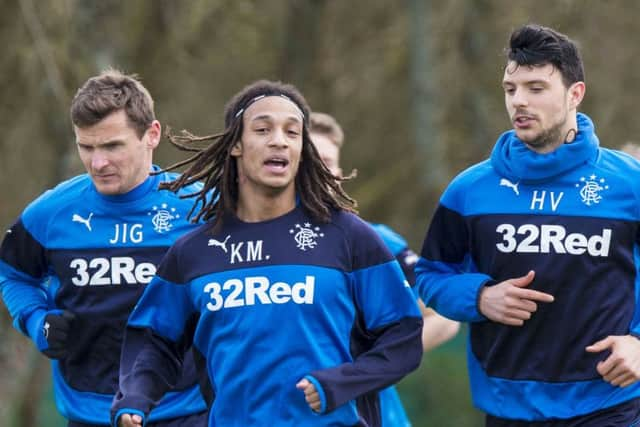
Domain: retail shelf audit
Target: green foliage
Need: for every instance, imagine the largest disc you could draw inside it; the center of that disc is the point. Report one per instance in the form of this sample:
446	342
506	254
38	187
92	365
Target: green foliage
437	394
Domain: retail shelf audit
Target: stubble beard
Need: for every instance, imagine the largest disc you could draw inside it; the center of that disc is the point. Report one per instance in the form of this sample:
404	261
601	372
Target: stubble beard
550	137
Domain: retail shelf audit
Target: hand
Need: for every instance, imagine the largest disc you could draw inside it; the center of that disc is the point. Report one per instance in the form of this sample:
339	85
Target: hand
310	394
130	420
622	367
50	331
509	303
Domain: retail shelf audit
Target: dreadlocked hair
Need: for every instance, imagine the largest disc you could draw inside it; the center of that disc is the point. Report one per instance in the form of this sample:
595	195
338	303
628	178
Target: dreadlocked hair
318	189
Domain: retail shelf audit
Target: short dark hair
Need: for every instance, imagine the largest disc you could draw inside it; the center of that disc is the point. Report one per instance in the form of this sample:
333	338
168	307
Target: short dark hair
535	45
111	91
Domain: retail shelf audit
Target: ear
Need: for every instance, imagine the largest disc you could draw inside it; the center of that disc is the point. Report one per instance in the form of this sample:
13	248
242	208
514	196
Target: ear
236	150
153	134
576	94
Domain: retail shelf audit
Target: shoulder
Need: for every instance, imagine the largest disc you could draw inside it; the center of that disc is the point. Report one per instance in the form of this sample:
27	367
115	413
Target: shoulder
474	177
52	201
192	240
620	170
179	257
618	161
366	245
189	189
351	224
185	196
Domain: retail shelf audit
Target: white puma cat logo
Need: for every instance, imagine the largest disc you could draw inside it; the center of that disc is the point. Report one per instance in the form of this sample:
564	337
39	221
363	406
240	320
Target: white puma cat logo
223	244
506	183
86	222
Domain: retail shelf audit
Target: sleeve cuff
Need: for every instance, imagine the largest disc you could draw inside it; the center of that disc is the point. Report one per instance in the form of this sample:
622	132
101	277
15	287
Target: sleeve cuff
320	390
479	316
635	334
123	411
33	325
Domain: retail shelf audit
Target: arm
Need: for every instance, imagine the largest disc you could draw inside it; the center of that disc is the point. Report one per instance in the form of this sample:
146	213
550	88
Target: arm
397	351
23	267
389	319
621	361
444	277
153	345
437	329
155	369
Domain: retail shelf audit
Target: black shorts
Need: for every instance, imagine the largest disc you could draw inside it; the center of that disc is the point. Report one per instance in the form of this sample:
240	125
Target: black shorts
626	414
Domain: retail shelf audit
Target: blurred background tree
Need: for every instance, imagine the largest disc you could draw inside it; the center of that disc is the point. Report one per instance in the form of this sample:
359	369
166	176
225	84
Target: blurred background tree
416	85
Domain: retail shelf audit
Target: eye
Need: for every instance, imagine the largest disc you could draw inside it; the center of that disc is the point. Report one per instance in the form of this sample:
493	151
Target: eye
262	130
537	89
509	90
293	132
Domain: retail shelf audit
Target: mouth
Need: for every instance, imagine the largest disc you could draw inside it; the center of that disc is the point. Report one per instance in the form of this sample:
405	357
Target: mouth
104	176
522	120
276	163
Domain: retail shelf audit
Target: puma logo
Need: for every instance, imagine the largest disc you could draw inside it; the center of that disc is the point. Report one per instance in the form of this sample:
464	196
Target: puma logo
506	183
223	244
86	222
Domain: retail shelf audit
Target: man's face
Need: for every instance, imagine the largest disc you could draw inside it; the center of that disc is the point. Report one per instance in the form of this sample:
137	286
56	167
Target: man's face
538	104
113	155
268	154
329	152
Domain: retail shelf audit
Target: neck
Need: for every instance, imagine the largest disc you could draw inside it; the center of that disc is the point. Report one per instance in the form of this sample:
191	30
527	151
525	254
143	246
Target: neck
143	175
258	206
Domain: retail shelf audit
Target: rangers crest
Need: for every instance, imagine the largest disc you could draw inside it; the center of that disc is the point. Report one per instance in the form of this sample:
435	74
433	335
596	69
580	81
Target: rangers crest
162	217
591	189
306	236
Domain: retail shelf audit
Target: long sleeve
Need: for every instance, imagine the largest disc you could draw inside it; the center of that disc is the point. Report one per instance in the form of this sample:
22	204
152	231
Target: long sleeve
22	269
150	367
153	347
445	276
389	344
397	351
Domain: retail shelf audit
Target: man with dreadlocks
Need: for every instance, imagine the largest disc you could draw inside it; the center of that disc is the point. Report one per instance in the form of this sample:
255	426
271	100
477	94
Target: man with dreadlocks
75	263
303	312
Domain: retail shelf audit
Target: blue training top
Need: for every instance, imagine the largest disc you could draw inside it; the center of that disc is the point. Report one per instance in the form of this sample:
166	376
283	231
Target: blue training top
95	253
573	217
278	301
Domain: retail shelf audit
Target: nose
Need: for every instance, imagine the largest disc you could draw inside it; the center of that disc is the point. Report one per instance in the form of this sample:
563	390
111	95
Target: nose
519	98
278	138
98	161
